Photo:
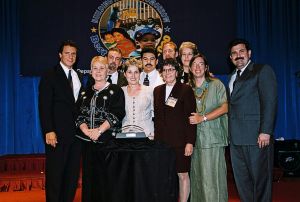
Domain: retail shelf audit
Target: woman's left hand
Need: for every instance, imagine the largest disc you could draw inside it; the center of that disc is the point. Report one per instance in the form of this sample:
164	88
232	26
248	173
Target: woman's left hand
188	149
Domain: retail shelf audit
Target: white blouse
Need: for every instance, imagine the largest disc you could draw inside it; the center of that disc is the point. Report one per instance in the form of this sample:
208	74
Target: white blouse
139	110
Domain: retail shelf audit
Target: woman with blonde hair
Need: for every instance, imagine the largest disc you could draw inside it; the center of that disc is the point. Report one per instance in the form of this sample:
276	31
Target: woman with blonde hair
187	50
101	112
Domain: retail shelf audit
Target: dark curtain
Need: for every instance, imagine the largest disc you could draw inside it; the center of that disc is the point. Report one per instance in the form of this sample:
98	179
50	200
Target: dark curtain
19	124
271	26
273	29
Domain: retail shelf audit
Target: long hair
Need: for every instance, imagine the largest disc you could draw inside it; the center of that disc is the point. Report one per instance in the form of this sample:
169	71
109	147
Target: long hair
207	74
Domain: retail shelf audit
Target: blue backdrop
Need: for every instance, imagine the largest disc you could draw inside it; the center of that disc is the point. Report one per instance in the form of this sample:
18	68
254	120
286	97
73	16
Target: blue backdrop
271	26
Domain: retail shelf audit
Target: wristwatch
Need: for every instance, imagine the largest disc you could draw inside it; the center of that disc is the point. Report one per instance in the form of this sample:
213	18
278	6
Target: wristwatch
204	118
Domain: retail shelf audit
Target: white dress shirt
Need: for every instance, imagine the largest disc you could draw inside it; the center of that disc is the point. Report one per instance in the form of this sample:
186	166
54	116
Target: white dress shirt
232	79
114	77
154	78
75	80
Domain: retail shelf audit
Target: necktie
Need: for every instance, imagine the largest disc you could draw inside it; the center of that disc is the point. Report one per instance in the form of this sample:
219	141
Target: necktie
109	79
70	79
238	75
146	81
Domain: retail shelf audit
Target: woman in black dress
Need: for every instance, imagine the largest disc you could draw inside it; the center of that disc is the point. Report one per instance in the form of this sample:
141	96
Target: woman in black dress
101	114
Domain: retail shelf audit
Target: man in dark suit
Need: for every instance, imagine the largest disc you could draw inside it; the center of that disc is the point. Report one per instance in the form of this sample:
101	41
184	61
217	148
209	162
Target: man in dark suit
115	75
252	111
59	90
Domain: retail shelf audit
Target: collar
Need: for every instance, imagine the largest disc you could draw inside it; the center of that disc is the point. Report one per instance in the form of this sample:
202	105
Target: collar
115	74
243	69
65	68
152	73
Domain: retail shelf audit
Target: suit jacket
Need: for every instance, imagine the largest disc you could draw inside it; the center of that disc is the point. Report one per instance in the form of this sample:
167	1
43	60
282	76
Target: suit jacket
253	105
171	124
122	81
57	106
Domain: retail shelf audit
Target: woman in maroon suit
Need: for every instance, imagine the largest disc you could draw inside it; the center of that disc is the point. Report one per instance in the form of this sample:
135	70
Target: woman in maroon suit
173	104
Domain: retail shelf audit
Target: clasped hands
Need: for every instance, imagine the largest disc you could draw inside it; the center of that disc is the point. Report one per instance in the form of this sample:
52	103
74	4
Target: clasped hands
93	133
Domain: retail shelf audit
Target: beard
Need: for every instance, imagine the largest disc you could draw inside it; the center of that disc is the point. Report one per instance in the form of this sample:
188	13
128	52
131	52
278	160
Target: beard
112	66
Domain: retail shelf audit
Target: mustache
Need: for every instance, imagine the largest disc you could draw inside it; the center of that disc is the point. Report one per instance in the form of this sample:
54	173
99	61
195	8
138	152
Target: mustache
239	58
148	65
112	65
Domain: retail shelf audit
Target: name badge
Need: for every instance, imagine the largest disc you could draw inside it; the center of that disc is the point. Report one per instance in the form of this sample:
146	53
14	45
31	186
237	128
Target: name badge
171	101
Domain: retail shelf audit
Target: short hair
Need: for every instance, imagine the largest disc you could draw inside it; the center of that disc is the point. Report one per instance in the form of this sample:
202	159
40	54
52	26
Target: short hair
114	49
149	50
172	62
133	62
170	43
100	59
67	43
190	45
238	41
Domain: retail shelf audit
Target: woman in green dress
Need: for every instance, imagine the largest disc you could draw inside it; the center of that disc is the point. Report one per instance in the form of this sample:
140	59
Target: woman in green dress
208	166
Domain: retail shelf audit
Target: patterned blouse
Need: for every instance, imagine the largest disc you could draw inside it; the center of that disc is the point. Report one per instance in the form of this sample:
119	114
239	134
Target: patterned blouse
97	107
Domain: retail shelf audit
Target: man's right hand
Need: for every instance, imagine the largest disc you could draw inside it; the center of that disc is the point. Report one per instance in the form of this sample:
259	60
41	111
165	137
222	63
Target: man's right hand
51	139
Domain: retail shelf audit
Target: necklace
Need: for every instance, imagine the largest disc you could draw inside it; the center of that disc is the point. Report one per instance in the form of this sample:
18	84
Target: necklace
200	95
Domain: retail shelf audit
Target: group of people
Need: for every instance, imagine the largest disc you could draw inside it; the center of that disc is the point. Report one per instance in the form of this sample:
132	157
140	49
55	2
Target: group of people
180	104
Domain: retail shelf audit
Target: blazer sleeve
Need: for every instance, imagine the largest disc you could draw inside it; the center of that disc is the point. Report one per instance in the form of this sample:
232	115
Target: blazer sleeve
267	87
46	104
189	107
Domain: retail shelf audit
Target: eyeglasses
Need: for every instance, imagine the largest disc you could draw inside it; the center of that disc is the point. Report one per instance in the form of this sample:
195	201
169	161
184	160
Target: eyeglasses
168	70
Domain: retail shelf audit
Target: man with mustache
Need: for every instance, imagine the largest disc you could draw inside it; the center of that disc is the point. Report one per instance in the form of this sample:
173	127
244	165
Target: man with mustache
115	76
252	111
150	76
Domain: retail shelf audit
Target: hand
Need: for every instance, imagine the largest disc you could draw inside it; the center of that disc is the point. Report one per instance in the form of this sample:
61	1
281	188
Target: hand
51	139
195	118
94	134
188	149
86	131
151	136
263	140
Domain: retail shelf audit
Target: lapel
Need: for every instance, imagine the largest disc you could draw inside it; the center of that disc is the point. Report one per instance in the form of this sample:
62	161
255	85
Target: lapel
162	101
121	79
239	83
65	86
174	91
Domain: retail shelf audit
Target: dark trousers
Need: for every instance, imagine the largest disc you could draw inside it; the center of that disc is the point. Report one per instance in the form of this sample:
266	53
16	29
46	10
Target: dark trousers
62	171
253	171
